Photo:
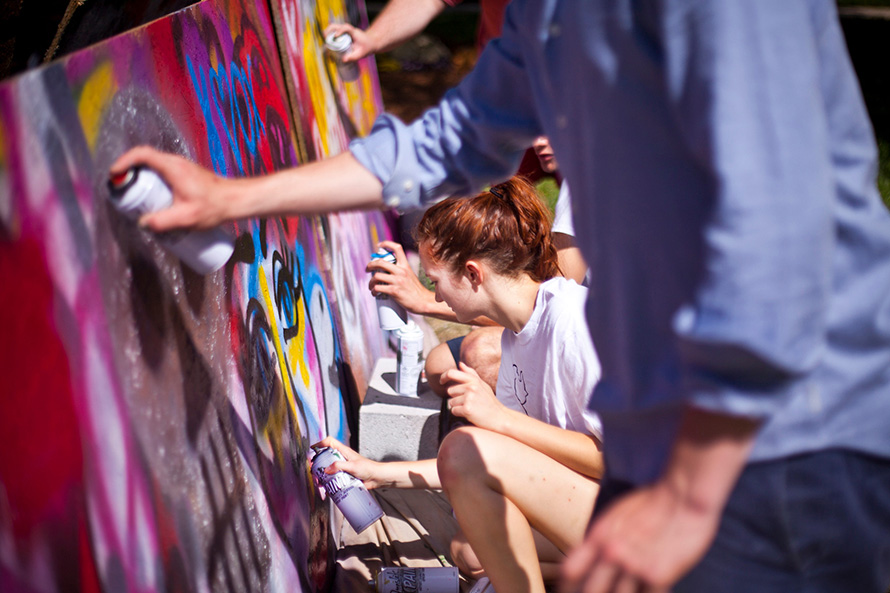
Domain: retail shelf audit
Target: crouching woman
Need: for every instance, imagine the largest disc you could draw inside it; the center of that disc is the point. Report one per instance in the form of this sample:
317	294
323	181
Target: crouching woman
522	478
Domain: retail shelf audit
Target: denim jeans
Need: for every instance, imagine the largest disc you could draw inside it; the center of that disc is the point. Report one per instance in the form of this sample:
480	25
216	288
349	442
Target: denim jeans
818	522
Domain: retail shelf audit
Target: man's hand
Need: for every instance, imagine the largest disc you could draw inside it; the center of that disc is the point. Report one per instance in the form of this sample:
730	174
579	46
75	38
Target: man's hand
199	196
399	282
472	398
362	44
645	541
650	538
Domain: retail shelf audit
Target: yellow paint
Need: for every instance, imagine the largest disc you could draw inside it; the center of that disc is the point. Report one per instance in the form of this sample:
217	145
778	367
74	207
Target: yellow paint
297	347
279	351
311	59
97	93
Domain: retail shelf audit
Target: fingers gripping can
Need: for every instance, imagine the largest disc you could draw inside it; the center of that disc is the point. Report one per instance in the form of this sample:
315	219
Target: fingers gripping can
409	359
140	190
347	491
338	45
392	315
436	579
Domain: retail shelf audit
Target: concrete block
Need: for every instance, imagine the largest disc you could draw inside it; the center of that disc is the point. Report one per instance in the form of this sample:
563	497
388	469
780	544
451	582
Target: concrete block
394	427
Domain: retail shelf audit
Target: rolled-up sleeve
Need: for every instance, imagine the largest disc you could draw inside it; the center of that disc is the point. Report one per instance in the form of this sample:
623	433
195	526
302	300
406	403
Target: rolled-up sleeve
475	136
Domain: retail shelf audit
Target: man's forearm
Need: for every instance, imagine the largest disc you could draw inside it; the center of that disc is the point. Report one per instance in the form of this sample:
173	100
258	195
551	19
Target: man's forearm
708	456
330	185
401	20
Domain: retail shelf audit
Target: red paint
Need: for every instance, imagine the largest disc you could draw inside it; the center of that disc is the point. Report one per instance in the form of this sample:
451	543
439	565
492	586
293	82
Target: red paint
41	460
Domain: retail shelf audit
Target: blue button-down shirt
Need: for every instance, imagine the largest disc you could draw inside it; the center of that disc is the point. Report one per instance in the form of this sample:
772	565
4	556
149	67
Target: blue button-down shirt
723	168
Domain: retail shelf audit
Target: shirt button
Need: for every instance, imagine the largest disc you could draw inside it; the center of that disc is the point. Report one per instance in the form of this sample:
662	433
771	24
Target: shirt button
555	31
561	121
408	185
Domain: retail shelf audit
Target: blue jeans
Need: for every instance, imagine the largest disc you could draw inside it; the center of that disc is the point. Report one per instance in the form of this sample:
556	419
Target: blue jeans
818	522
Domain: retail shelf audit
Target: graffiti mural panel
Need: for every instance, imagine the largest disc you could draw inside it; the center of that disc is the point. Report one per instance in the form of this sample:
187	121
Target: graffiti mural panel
156	422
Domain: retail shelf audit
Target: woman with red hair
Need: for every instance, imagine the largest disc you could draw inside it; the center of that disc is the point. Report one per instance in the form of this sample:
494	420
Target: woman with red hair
522	477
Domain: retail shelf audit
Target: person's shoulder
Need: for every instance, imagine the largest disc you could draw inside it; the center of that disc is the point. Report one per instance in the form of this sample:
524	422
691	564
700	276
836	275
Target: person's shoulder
564	299
564	289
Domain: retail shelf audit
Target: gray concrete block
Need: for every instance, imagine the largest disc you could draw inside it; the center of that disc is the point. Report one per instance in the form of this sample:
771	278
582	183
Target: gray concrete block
394	427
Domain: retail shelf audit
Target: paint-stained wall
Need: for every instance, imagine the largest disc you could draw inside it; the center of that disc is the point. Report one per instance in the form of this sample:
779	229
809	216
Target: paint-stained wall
156	422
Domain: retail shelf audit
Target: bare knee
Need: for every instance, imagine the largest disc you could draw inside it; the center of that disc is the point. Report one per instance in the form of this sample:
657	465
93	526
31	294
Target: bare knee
437	362
481	350
460	457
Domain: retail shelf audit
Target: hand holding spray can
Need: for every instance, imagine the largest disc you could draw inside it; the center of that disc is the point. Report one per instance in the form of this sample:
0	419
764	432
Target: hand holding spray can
338	46
436	579
409	359
140	190
347	491
392	315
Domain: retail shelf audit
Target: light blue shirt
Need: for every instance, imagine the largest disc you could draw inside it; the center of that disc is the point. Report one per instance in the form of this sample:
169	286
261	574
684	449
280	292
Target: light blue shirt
723	171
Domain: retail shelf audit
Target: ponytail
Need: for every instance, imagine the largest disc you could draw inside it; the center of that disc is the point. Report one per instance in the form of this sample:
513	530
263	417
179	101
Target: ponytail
507	226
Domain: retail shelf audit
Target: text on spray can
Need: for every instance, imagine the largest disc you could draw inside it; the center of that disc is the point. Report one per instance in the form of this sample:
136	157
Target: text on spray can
347	491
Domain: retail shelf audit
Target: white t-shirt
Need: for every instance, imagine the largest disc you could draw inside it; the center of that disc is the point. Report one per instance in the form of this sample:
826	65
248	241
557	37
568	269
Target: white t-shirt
562	212
549	369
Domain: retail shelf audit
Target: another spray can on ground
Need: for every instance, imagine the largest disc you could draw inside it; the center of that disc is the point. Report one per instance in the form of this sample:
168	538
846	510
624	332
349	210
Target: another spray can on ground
140	190
409	359
347	491
338	45
392	315
436	579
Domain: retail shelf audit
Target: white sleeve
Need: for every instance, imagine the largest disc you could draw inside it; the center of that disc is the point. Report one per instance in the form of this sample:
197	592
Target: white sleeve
562	218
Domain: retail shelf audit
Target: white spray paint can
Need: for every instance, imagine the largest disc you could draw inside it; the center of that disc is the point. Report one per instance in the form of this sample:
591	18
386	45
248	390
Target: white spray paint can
435	579
391	314
338	45
409	359
347	491
140	190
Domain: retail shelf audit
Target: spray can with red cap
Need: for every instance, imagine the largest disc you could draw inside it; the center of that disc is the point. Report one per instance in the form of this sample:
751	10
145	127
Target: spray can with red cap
140	190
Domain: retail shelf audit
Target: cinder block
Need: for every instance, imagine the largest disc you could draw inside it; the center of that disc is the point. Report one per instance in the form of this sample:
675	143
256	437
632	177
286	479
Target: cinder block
394	427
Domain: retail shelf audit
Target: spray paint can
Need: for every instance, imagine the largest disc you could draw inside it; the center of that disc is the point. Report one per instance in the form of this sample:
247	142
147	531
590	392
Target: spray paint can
140	190
338	45
347	491
391	314
436	579
409	359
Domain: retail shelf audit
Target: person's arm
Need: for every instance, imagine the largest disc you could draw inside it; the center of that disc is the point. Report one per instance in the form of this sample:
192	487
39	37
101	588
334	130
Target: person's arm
399	21
377	474
571	262
203	199
473	399
647	540
399	282
476	136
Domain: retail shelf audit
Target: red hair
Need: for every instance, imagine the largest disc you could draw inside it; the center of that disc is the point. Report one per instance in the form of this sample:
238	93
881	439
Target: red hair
508	227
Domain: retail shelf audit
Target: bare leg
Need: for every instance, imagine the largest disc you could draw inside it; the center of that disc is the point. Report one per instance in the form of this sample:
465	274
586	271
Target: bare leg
500	489
437	362
481	350
549	556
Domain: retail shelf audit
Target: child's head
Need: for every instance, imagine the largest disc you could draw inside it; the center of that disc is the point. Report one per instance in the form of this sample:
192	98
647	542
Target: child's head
508	227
